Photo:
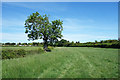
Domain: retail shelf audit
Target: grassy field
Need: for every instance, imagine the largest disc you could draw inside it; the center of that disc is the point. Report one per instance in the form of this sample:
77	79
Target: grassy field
64	62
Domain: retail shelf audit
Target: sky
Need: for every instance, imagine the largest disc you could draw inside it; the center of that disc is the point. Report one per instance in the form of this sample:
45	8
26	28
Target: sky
82	21
60	0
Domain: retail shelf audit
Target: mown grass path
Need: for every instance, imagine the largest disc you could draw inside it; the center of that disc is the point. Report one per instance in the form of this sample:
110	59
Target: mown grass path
65	62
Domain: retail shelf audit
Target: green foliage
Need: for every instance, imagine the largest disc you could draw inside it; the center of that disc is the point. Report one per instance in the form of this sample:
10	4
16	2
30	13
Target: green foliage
102	44
10	53
39	27
21	52
40	50
50	47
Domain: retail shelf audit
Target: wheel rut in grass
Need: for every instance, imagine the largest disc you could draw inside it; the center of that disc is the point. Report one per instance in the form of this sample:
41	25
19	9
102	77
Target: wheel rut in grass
65	65
91	68
68	65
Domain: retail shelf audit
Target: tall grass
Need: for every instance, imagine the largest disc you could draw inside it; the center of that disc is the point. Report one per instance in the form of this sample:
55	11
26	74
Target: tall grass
65	62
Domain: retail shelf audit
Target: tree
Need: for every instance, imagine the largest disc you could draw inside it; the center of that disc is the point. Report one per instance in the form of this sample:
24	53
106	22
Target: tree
35	44
7	43
18	43
30	44
101	41
13	44
39	27
96	41
72	44
63	42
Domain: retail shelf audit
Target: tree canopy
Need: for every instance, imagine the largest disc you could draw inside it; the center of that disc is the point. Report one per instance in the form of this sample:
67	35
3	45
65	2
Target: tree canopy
39	27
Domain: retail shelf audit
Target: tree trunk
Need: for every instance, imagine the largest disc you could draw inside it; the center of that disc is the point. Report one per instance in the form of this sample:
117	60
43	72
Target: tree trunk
45	45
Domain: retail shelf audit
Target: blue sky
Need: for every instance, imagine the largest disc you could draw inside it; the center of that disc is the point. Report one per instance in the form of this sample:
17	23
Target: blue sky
82	21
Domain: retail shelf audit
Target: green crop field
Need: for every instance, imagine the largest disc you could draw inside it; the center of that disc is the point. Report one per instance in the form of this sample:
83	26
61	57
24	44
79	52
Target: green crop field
64	62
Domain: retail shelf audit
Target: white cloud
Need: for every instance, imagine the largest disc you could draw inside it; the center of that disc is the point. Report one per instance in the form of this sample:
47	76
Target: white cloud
86	37
83	25
14	25
10	37
18	37
71	20
22	37
12	22
80	30
73	24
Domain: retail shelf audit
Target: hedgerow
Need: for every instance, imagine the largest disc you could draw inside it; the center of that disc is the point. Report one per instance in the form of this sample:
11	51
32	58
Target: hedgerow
16	53
10	53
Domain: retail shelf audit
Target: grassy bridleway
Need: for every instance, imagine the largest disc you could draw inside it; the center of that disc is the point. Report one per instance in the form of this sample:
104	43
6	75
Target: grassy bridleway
65	62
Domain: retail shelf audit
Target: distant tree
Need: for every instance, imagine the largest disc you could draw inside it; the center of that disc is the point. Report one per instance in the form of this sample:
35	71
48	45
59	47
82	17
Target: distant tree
40	44
63	42
12	43
30	44
18	43
96	41
25	43
7	43
72	44
35	43
89	42
39	27
3	43
101	41
105	41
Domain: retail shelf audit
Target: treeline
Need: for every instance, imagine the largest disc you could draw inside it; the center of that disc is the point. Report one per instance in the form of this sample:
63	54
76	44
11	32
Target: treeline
65	43
22	44
102	44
